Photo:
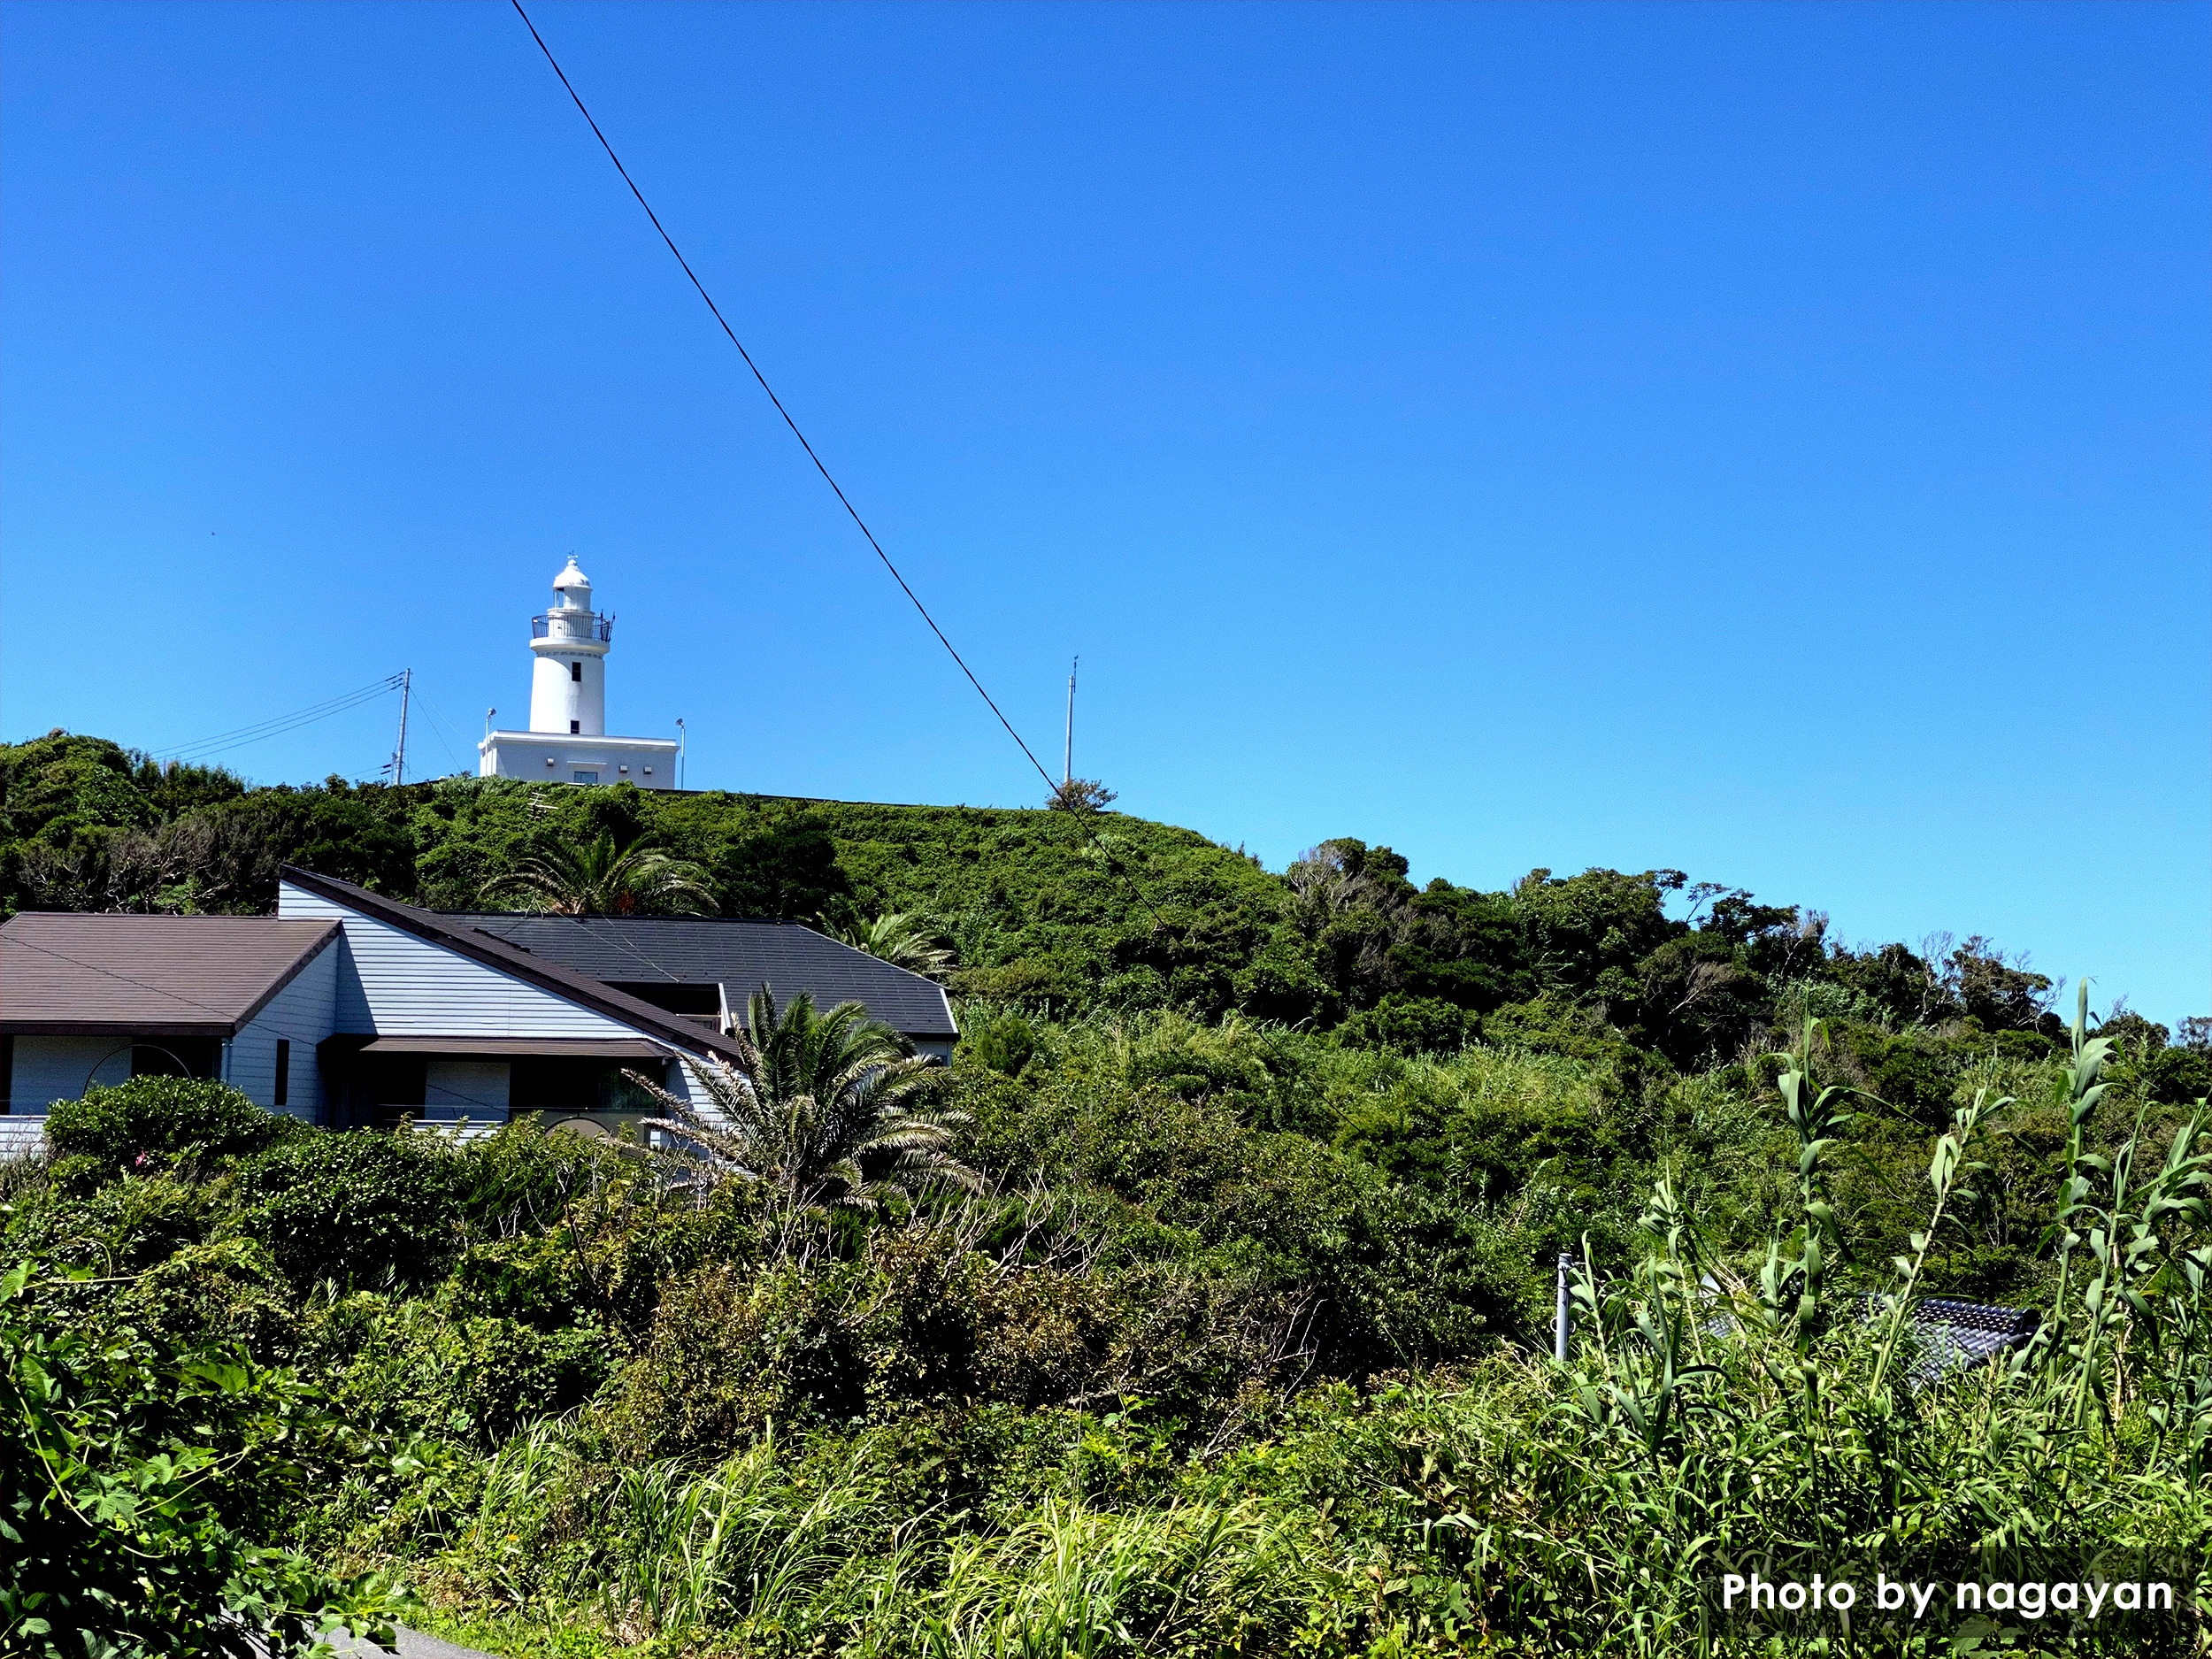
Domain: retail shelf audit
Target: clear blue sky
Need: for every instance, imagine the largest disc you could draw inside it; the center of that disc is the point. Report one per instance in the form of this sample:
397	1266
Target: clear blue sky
1769	442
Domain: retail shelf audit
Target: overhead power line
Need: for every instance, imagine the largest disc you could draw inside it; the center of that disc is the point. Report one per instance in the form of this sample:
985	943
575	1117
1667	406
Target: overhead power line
1082	814
842	499
278	725
454	747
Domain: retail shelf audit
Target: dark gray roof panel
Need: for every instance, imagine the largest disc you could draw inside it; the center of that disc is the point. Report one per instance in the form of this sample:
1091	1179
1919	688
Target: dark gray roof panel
741	956
547	972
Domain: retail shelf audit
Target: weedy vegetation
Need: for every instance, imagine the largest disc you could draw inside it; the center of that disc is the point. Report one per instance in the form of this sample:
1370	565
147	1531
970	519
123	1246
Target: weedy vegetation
1203	1306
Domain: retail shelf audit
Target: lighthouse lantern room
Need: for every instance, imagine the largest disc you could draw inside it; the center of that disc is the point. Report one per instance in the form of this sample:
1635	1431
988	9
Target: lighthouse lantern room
567	742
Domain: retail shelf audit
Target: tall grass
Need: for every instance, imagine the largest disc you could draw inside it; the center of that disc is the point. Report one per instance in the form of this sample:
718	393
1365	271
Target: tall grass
1717	1413
1708	1419
1193	1577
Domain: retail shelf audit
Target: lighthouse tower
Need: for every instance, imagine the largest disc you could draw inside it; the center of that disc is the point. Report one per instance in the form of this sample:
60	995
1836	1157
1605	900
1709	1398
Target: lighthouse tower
567	742
568	685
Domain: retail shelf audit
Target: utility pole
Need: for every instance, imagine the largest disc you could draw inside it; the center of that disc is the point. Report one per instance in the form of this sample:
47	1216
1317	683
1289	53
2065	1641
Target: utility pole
399	755
1562	1313
1067	761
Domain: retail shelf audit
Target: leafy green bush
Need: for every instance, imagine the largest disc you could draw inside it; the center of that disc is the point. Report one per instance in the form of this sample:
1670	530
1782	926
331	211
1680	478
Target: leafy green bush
153	1119
117	1227
536	1277
1411	1025
729	1353
520	1178
134	1477
355	1207
224	1292
1001	1038
433	1366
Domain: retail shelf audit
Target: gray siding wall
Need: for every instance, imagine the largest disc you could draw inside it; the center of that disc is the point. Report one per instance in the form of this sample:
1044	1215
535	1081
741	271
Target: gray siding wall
684	1084
48	1069
393	984
305	1012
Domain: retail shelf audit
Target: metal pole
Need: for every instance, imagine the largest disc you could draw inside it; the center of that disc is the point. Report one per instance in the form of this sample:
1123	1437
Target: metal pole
1067	761
683	742
1562	1313
399	755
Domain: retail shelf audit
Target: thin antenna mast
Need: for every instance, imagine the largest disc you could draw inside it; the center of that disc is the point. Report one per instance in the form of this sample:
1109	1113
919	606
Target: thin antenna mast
1067	761
399	755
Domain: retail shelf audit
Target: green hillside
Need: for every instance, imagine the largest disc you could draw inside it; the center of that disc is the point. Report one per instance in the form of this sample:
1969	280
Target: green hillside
1055	913
1242	1345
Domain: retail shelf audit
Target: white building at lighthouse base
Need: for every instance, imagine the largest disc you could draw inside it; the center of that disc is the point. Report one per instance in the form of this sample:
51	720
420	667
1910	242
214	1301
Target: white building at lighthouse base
551	757
566	741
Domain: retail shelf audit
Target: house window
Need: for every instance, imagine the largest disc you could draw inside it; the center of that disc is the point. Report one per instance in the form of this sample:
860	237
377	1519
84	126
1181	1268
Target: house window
575	727
177	1056
283	1094
576	672
396	1085
7	1074
587	777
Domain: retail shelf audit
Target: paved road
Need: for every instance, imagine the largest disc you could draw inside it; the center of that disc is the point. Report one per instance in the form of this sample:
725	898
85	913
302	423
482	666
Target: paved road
412	1645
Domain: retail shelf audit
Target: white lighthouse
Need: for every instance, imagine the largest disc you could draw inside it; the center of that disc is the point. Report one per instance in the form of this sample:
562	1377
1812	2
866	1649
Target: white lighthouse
567	742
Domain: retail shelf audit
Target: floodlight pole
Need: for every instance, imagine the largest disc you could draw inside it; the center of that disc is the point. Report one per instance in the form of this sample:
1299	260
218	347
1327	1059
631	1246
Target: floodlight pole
1067	761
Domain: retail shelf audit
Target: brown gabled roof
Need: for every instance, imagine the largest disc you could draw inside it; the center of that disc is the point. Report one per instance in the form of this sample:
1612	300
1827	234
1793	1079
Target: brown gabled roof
494	952
65	973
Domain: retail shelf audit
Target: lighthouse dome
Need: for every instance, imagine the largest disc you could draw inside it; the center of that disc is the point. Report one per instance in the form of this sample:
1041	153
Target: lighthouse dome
573	586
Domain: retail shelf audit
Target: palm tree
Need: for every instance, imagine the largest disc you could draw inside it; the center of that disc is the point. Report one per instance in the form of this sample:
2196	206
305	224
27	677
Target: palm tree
597	878
811	1100
900	937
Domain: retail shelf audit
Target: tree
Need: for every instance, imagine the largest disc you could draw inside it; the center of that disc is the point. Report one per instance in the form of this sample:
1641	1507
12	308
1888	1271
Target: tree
813	1102
1587	933
899	938
597	878
1080	795
1999	990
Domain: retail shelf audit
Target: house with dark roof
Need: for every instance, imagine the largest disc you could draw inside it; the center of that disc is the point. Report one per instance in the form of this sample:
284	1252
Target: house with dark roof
707	969
348	1009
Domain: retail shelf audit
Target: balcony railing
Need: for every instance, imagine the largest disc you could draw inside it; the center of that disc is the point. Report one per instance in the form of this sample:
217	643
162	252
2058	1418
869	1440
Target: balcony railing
602	628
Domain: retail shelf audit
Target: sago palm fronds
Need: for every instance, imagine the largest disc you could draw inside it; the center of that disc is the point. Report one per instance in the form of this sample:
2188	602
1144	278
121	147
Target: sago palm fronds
900	937
598	878
811	1102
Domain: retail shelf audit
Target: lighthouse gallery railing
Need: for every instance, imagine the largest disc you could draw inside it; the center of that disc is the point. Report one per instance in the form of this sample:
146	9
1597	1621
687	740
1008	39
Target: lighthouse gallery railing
602	628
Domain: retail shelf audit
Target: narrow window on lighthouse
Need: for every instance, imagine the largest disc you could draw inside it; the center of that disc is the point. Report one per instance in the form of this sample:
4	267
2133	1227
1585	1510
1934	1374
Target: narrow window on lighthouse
575	728
576	672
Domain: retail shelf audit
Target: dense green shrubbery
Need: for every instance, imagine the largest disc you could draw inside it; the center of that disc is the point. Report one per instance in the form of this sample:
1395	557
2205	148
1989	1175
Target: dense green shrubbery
1244	1348
1189	1380
137	1481
354	1207
159	1119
